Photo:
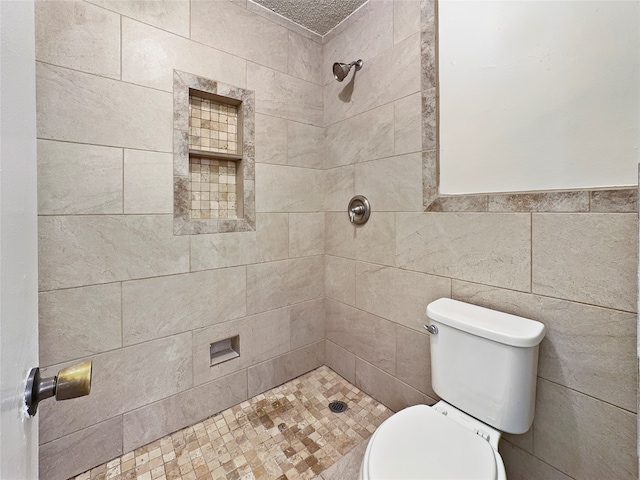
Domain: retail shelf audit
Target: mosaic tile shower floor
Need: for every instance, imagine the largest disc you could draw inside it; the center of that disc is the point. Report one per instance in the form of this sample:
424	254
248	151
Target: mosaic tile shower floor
287	433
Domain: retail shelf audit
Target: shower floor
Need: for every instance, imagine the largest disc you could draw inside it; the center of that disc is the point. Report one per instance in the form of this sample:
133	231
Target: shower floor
287	433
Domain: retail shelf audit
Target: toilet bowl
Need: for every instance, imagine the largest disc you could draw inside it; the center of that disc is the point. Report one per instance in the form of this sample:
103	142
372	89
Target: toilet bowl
433	443
484	368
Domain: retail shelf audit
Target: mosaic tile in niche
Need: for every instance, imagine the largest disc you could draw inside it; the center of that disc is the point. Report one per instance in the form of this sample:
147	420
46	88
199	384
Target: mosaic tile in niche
213	126
212	188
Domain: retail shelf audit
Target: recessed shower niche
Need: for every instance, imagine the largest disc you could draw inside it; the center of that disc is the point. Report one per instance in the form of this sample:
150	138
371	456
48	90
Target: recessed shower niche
214	164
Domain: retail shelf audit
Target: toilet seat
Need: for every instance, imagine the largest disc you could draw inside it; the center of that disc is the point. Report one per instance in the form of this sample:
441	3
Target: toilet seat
421	443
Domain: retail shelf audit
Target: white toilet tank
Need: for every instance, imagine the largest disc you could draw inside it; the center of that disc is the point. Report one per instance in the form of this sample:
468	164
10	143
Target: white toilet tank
485	362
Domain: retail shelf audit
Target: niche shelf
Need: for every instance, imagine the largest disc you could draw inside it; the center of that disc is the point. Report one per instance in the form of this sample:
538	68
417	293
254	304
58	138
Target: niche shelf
214	165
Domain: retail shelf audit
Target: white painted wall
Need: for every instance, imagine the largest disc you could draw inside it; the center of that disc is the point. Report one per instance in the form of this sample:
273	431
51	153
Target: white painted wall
538	95
18	239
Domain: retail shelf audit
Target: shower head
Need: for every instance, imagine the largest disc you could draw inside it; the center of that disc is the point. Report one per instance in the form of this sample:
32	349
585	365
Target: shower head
341	70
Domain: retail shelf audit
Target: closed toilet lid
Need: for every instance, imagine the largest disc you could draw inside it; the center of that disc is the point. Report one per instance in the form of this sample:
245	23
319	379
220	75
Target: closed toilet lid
422	444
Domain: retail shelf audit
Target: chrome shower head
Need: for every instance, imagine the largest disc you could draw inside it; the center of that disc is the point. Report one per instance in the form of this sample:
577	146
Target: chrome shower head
341	70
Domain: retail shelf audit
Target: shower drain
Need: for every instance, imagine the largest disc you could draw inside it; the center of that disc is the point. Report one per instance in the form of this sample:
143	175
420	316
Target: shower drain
337	406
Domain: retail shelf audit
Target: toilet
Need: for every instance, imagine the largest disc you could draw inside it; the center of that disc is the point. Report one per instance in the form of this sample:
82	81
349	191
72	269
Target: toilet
483	366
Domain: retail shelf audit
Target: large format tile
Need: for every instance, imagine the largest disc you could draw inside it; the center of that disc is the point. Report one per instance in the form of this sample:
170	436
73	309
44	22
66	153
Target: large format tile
278	284
75	178
304	58
288	189
282	95
377	83
262	337
82	450
150	55
238	31
79	322
494	249
407	124
521	465
148	182
387	389
307	322
152	421
340	279
392	184
157	307
595	262
268	243
339	188
78	35
122	380
373	242
340	361
271	139
281	369
398	295
406	19
306	234
360	138
305	147
367	336
170	15
85	250
589	349
102	111
584	437
370	26
413	365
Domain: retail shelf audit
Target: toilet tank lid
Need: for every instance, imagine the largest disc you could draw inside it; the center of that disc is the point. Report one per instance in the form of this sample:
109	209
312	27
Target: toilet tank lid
484	322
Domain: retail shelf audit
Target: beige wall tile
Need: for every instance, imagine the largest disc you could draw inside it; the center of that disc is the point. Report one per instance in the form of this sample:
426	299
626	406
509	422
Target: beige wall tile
288	189
365	335
589	349
341	361
305	145
282	95
595	262
406	19
406	294
78	35
520	464
340	279
148	182
339	188
122	380
304	58
583	437
386	388
81	451
392	184
157	307
377	83
85	250
74	178
306	234
262	337
413	365
371	27
271	139
307	322
153	421
79	322
238	31
278	284
102	111
268	243
360	138
480	247
372	242
170	15
149	56
281	369
407	124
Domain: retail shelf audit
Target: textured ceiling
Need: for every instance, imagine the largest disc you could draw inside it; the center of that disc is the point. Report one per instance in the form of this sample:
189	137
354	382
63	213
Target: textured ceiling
319	16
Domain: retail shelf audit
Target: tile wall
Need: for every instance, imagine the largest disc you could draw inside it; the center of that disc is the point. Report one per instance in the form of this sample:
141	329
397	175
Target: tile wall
118	287
575	272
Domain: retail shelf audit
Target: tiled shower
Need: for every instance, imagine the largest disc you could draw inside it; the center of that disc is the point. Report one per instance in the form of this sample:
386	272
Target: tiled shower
305	288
